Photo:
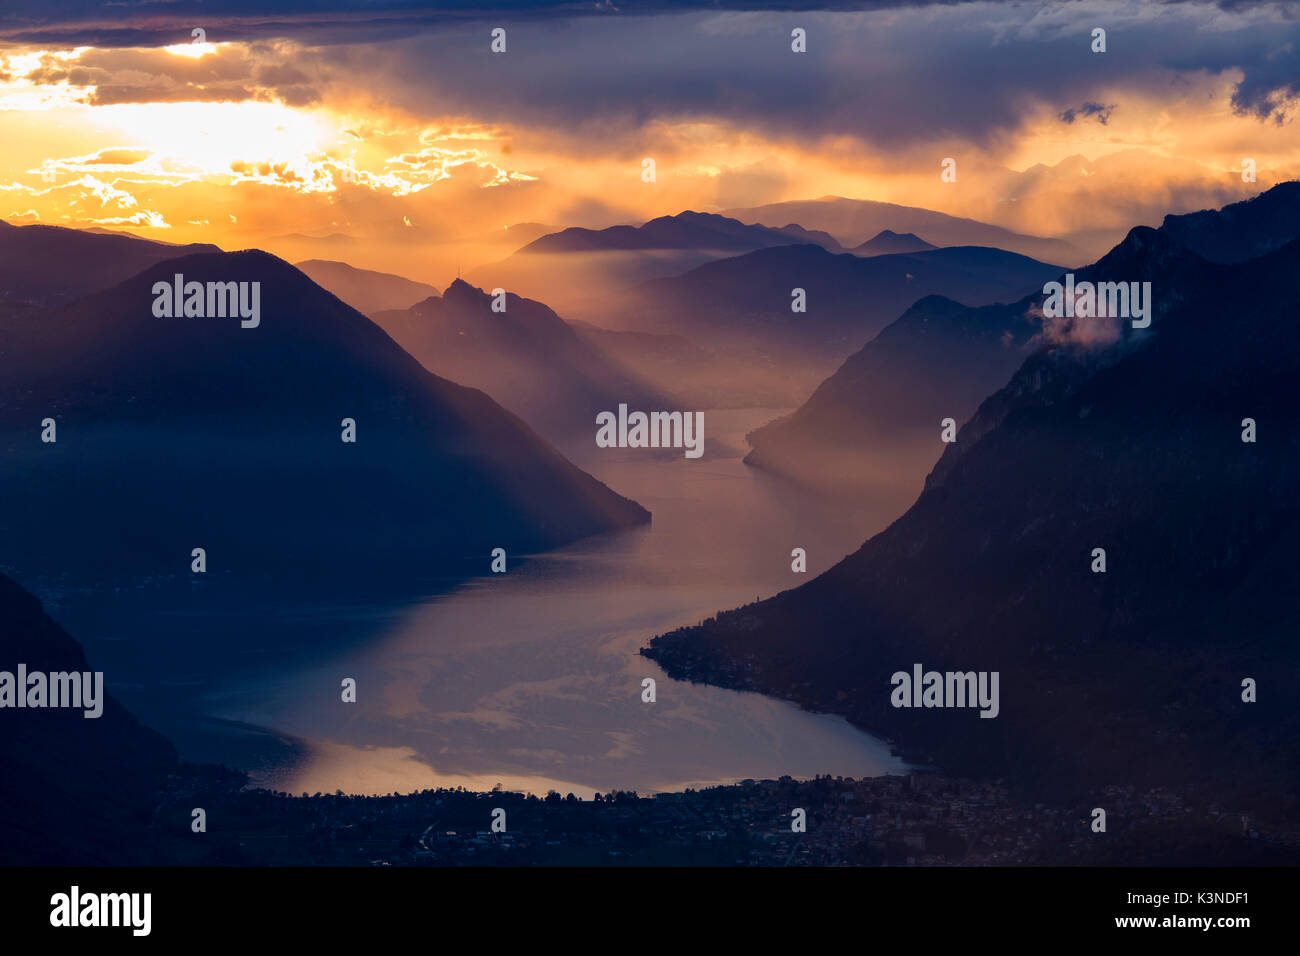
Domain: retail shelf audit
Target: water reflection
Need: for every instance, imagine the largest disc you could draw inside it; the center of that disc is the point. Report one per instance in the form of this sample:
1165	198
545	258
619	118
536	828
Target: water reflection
532	679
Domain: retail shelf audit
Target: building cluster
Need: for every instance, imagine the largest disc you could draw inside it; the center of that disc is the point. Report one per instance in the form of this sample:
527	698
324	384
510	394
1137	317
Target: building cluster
922	819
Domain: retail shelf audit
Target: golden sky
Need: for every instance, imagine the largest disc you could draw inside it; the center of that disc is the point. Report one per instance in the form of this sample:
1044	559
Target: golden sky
413	151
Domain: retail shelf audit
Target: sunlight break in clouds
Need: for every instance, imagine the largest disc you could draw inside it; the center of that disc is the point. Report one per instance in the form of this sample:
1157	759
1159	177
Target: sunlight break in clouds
262	131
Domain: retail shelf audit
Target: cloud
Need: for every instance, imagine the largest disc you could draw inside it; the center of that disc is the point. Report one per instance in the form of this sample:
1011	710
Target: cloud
229	73
162	22
114	157
897	84
1089	333
339	121
1099	110
897	79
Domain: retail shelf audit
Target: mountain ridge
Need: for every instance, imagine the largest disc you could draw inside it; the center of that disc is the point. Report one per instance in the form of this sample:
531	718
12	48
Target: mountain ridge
197	428
1132	675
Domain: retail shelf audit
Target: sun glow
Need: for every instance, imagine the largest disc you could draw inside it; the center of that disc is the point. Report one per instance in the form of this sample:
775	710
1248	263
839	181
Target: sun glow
211	138
192	50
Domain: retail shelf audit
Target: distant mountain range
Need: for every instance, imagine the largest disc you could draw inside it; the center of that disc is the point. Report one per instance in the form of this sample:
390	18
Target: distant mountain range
43	266
747	300
366	291
574	267
686	230
847	219
1092	203
875	421
526	357
1130	442
184	432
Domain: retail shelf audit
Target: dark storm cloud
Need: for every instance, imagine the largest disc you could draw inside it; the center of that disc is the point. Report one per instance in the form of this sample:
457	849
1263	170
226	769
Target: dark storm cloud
969	74
1100	110
159	22
896	76
143	75
1264	87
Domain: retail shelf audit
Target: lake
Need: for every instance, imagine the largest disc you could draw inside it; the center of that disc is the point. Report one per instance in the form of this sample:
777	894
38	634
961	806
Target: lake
529	679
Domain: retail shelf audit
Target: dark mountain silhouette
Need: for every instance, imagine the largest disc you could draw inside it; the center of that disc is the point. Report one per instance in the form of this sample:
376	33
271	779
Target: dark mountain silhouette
746	300
1130	443
847	219
816	237
574	267
1242	230
686	230
75	791
526	357
875	423
876	419
50	265
887	242
363	289
177	433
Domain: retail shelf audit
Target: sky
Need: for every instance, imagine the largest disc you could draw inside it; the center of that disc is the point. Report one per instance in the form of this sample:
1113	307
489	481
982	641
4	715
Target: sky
391	135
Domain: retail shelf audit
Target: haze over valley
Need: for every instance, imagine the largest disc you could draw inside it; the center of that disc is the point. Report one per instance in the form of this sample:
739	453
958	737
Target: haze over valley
644	420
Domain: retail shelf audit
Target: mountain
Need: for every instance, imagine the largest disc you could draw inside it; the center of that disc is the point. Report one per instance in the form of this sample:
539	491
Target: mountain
686	230
875	420
574	267
1093	203
176	433
817	237
364	290
746	301
1129	441
42	266
525	232
525	357
887	242
875	423
1242	230
845	218
75	791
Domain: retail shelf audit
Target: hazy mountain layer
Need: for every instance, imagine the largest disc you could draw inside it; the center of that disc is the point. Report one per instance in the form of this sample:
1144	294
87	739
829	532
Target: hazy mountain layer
366	291
50	265
526	357
850	219
183	432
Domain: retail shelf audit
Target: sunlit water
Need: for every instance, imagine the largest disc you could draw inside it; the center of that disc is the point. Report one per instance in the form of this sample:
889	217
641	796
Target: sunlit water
530	679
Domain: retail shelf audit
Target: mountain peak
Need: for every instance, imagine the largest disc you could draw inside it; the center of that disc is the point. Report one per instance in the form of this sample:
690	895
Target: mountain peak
887	242
1243	230
460	292
444	463
1140	251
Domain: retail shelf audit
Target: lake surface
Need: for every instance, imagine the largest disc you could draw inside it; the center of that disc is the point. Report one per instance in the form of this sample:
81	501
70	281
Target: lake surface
530	679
